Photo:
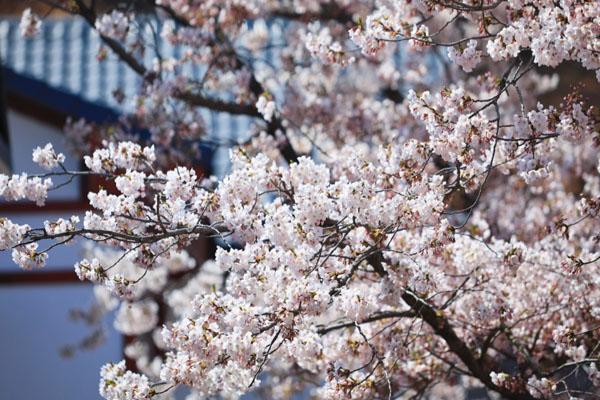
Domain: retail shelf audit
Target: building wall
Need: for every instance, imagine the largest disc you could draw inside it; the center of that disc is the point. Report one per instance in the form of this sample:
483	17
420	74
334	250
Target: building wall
35	312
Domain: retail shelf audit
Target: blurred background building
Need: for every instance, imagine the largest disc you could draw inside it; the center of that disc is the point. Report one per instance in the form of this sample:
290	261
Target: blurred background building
46	353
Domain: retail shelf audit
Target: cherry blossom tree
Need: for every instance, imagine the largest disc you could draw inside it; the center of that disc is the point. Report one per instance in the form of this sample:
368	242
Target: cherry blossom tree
405	219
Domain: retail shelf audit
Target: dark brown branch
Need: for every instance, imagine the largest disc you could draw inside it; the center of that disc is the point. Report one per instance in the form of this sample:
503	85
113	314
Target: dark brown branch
440	325
191	98
373	318
209	231
328	12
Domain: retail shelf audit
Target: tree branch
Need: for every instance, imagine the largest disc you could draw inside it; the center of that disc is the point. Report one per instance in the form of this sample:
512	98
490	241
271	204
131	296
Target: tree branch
373	318
440	325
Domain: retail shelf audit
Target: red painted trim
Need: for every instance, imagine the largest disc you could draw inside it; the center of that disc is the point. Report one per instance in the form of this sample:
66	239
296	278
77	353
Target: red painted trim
38	277
35	110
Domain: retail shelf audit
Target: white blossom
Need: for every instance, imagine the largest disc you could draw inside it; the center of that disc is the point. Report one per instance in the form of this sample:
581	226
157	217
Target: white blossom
114	25
27	256
266	107
30	24
136	317
468	57
47	157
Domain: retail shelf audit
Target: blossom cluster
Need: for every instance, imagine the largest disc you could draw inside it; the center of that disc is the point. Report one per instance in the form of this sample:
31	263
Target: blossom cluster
554	32
118	383
27	257
46	157
30	24
114	25
18	187
124	155
389	227
467	57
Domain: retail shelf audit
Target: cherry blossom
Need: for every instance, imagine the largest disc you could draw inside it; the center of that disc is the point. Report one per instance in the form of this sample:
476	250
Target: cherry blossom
11	233
61	225
266	107
467	57
27	257
114	25
30	24
405	214
118	383
18	187
136	318
47	157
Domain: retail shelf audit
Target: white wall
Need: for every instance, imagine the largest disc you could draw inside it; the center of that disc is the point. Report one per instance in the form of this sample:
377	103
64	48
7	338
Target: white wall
35	327
27	133
35	323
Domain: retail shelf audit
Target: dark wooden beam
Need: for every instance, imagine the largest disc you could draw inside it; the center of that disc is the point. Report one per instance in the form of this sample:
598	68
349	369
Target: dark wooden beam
37	277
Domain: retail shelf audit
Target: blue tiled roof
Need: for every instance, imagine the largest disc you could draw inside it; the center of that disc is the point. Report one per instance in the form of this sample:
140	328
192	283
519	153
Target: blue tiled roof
64	55
62	61
57	100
